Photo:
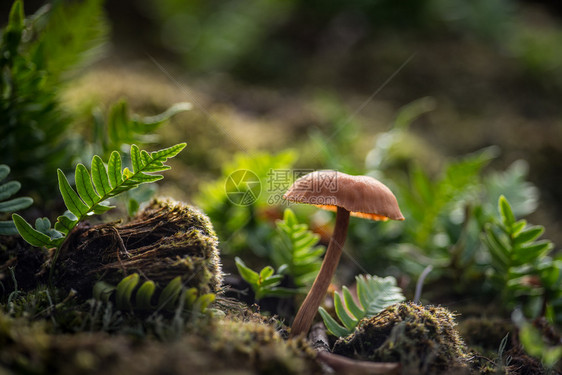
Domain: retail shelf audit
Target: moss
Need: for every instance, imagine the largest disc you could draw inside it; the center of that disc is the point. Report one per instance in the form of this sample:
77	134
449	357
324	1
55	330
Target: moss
485	334
165	240
422	338
242	343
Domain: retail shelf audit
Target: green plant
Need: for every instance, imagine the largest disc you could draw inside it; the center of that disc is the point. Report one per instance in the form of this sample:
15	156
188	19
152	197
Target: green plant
93	190
8	189
534	344
243	223
265	283
520	262
130	296
295	250
34	55
121	128
374	294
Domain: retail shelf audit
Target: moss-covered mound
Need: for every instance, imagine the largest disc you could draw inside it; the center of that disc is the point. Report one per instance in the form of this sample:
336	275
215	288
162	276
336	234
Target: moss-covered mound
231	344
167	239
422	338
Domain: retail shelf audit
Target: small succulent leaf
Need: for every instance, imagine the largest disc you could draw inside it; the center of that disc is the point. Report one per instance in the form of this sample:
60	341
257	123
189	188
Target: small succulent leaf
144	295
506	213
528	235
8	228
124	291
100	177
114	170
15	204
247	274
347	320
70	197
331	325
170	294
4	171
30	235
351	305
8	189
84	185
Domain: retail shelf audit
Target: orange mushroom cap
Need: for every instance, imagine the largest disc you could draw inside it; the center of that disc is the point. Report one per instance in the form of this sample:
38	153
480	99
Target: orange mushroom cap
362	196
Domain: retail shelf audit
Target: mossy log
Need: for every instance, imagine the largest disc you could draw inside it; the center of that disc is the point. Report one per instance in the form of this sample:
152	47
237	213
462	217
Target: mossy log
167	239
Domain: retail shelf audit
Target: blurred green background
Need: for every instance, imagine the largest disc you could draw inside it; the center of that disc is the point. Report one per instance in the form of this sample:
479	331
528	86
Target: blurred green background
401	90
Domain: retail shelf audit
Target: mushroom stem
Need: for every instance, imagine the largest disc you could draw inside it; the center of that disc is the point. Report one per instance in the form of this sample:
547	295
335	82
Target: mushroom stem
313	300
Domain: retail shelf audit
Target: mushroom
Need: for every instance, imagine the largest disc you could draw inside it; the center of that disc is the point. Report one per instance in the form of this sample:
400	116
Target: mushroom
360	196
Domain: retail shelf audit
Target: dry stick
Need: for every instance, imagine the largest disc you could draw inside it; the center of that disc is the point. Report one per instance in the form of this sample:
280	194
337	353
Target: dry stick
314	298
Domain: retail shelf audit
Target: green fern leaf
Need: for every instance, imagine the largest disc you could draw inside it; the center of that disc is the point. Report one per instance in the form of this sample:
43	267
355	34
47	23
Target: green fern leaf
16	204
374	293
114	168
32	236
341	312
84	186
296	247
351	305
8	189
100	177
144	295
170	294
124	291
70	197
331	325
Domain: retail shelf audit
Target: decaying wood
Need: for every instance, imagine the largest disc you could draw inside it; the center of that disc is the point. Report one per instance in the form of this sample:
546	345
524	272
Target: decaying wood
166	240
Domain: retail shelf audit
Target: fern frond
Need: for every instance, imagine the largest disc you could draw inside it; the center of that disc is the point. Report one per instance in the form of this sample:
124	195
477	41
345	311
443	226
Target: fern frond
374	294
7	190
129	297
94	188
296	247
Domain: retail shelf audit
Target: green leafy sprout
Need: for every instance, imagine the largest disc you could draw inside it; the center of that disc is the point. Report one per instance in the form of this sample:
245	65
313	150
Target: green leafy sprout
93	188
7	190
131	296
265	283
296	251
374	293
522	265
